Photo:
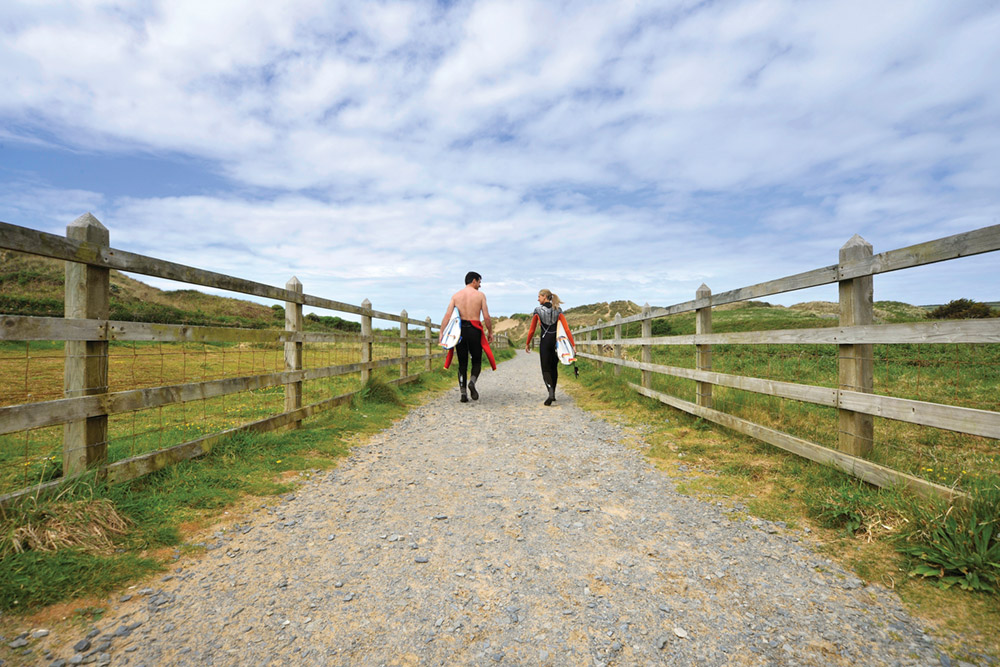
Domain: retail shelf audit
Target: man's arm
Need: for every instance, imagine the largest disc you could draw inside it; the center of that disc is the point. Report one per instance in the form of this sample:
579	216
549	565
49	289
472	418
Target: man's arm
487	322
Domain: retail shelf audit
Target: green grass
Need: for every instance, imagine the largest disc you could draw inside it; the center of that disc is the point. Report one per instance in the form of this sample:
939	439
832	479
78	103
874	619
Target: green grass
32	579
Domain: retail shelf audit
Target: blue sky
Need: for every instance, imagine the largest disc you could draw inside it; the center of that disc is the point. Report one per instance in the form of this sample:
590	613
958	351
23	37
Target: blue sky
603	150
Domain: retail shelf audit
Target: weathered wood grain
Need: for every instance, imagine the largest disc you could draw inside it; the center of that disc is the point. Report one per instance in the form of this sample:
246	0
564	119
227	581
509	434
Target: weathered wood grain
985	330
855	365
85	362
293	351
986	239
28	328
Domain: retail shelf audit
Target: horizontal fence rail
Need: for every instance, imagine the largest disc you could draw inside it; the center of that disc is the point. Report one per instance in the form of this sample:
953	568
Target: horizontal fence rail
851	399
129	398
966	244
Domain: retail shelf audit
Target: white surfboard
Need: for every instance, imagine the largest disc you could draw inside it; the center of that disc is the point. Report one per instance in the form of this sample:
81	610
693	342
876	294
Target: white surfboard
564	349
452	331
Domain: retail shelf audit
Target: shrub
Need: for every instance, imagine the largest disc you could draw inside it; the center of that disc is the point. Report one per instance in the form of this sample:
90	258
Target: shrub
661	328
961	309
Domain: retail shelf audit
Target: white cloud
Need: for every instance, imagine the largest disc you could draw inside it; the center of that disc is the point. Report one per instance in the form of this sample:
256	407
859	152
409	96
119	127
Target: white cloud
604	146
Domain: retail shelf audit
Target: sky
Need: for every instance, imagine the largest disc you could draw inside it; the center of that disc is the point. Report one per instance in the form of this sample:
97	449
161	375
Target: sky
602	150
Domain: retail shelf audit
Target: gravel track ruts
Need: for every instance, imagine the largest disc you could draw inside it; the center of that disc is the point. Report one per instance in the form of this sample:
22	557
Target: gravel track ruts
504	532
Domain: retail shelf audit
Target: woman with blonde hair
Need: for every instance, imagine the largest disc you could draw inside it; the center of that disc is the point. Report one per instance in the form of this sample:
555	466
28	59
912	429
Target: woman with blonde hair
548	314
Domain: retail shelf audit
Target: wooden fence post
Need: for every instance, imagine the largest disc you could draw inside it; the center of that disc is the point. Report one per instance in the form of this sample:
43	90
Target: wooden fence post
618	346
293	351
427	338
647	349
87	296
600	346
703	353
366	344
856	368
404	366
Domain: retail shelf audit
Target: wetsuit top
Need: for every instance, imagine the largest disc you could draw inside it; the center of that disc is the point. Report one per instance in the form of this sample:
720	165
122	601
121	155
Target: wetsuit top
548	317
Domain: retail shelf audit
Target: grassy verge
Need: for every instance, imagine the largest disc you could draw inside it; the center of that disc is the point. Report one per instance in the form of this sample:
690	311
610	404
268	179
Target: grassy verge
46	558
860	526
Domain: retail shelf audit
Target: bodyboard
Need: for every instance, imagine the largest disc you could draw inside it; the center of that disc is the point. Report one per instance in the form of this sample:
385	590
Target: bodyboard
452	331
564	349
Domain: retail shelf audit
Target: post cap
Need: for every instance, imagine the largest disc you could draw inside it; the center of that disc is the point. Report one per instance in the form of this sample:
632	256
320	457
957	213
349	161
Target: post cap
88	228
854	241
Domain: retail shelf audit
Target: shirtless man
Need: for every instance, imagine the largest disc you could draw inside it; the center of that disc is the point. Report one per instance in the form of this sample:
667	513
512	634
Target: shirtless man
470	302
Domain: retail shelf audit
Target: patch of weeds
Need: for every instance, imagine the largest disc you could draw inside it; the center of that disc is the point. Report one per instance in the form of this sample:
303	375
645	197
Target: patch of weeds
89	614
958	543
772	509
857	508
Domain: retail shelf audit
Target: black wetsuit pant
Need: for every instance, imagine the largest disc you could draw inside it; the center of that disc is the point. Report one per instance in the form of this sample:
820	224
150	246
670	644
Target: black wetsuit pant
471	345
549	358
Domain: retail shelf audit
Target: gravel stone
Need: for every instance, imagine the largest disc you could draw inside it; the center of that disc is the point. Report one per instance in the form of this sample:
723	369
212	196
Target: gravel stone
545	537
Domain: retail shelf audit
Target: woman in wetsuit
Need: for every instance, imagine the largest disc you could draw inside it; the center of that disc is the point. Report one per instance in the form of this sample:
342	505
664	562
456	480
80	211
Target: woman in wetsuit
547	315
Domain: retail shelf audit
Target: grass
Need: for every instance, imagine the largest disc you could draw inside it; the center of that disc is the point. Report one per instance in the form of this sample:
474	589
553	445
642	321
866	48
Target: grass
860	526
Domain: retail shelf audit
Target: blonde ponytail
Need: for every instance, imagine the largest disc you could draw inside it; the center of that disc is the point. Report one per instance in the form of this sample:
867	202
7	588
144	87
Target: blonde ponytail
549	296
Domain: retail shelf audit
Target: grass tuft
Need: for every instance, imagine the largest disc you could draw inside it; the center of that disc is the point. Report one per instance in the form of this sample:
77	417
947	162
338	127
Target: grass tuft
378	391
91	526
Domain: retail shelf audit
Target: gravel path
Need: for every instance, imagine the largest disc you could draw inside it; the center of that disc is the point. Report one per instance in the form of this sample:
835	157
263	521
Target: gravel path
502	532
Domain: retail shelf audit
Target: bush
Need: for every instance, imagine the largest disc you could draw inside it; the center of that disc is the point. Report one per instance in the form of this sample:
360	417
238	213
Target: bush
37	307
661	328
332	322
959	544
961	309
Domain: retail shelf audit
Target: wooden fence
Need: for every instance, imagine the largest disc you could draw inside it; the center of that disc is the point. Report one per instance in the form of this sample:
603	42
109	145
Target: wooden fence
853	399
86	333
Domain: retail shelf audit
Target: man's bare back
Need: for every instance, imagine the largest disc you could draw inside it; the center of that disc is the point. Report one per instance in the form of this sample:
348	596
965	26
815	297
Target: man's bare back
470	303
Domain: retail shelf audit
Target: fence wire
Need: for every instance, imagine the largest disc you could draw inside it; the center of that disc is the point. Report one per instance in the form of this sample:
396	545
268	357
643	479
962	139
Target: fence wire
34	371
964	375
